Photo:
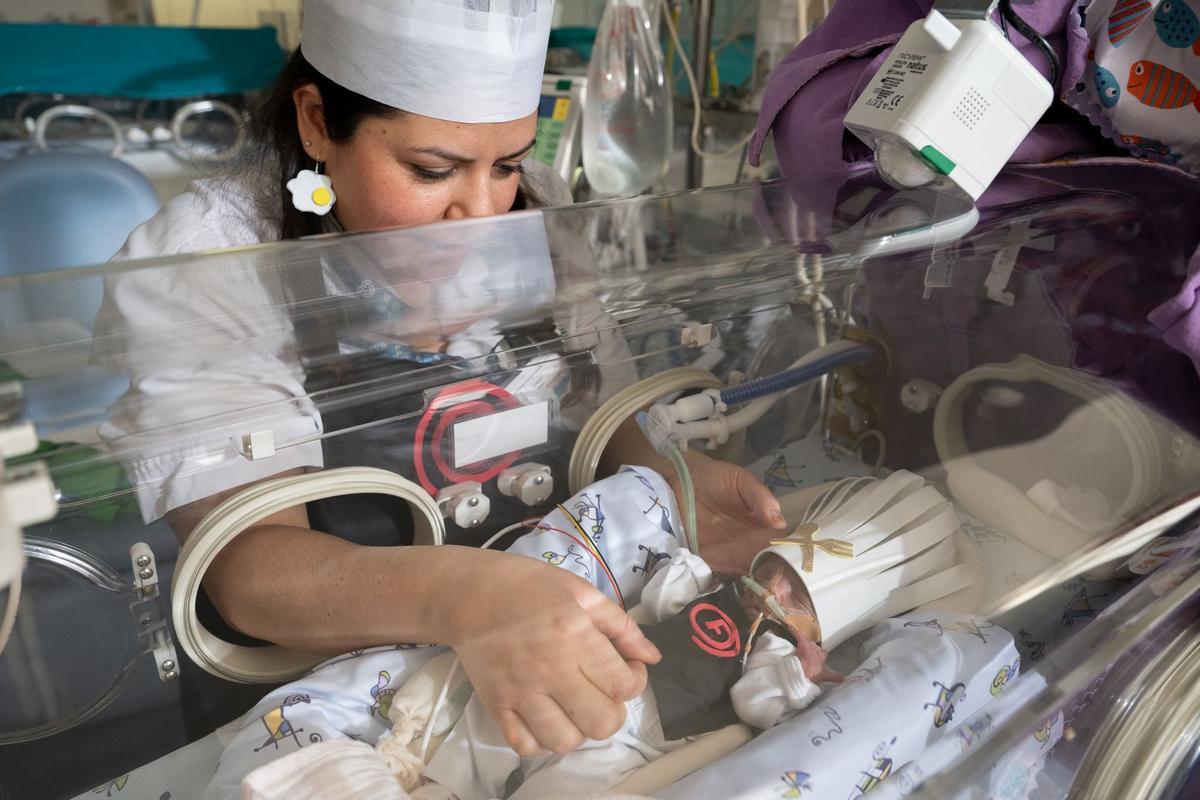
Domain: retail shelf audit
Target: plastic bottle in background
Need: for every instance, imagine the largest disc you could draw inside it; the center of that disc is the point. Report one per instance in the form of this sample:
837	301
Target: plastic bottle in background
776	35
627	114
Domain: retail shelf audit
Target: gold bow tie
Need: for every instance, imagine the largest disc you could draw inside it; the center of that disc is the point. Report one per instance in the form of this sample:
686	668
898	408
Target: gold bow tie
803	537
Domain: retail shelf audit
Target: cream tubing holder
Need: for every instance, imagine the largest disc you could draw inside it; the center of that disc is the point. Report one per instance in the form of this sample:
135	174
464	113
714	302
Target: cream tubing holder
1159	457
227	521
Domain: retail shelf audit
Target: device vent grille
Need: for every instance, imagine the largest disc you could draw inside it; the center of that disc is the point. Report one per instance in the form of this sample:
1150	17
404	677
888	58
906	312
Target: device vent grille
971	108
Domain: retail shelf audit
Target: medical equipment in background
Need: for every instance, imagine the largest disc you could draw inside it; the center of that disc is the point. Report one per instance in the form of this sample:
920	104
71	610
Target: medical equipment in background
1020	489
953	100
628	120
559	128
168	101
777	33
781	25
706	416
187	129
27	497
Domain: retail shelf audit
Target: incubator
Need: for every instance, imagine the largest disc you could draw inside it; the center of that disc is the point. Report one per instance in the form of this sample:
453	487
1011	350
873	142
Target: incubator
441	384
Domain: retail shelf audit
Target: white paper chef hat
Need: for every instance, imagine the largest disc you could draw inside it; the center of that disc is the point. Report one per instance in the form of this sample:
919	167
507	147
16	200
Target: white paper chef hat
457	60
870	549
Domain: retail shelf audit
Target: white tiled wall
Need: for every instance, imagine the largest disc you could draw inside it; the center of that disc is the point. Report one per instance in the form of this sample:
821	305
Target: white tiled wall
237	13
54	11
283	15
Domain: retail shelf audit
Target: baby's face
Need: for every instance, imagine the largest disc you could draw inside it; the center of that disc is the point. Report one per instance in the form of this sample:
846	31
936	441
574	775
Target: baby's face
777	577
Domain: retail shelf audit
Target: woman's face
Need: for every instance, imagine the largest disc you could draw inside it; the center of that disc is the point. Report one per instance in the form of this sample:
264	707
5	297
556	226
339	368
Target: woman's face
410	170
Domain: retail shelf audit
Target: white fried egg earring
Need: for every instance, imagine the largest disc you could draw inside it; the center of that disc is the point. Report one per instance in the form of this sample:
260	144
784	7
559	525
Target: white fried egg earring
312	191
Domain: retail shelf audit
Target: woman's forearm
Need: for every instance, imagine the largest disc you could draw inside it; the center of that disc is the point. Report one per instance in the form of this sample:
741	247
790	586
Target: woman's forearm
317	593
630	446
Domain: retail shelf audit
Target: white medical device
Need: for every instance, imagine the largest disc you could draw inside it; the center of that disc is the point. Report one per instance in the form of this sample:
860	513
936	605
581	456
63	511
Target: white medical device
953	101
26	494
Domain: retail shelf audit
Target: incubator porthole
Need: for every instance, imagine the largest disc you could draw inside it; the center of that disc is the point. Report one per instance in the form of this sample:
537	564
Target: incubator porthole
61	668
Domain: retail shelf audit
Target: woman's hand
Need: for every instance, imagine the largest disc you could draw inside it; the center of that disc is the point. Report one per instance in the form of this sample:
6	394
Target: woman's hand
736	514
552	659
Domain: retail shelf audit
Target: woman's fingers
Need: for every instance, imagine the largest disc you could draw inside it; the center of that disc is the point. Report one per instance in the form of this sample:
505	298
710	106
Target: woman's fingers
550	725
617	678
517	733
759	500
596	714
551	657
623	632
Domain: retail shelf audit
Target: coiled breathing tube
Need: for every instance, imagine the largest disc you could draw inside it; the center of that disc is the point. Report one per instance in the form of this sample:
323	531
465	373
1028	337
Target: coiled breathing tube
665	444
839	356
704	416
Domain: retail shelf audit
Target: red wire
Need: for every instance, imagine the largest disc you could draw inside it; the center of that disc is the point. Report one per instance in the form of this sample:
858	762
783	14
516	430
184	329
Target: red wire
603	566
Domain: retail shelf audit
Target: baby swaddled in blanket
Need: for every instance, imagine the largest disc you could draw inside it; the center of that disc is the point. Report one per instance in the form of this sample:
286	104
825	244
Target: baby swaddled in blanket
749	648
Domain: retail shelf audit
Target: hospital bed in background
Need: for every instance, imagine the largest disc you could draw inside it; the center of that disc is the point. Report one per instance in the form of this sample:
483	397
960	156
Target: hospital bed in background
1010	364
170	102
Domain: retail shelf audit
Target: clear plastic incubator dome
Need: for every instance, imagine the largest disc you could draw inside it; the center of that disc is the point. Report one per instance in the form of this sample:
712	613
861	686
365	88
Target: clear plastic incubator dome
973	387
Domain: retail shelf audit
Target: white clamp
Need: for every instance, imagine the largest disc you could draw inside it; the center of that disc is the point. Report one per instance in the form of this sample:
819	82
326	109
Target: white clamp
465	503
27	497
258	445
918	396
697	335
530	483
28	494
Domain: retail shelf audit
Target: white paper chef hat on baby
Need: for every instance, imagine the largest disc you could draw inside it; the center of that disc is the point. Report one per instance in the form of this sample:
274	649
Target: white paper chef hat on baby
457	60
869	549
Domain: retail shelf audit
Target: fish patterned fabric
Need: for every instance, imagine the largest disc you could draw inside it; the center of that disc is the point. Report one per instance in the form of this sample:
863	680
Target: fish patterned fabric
1141	85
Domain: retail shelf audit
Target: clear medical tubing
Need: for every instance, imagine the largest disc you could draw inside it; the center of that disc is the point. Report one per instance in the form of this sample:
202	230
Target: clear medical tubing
744	393
665	445
627	111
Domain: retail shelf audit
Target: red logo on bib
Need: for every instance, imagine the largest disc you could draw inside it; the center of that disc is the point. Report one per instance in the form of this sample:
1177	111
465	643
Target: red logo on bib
715	632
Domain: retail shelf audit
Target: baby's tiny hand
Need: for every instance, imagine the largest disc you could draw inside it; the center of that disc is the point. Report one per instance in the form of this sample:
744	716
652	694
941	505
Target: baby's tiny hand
812	658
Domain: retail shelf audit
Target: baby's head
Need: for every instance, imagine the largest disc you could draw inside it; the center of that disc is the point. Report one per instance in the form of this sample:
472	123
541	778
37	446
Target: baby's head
775	591
778	593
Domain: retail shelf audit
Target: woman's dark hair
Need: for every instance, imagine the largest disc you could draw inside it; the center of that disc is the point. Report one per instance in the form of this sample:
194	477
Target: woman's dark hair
277	144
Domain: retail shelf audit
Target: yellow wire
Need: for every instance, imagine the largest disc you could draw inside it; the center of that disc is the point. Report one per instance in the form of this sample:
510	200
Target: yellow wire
694	140
587	540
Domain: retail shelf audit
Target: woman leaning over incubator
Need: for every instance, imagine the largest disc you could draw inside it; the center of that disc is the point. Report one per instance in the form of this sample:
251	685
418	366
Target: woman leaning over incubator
406	129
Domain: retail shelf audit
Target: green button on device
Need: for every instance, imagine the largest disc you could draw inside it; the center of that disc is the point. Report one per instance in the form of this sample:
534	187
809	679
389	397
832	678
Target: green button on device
937	160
